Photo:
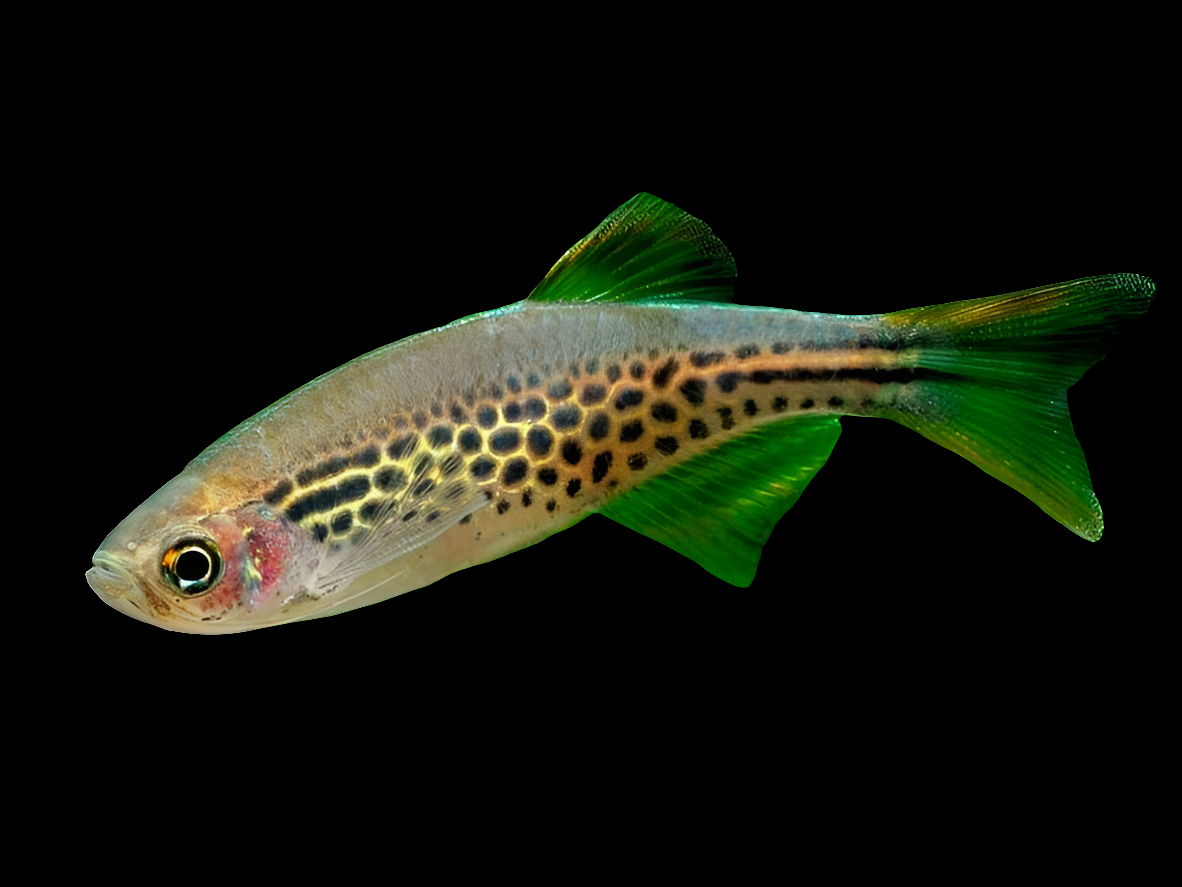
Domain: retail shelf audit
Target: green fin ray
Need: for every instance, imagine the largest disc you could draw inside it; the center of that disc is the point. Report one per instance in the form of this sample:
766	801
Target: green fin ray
719	507
1009	361
646	249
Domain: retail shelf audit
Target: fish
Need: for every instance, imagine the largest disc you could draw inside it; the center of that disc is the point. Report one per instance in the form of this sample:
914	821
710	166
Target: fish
627	384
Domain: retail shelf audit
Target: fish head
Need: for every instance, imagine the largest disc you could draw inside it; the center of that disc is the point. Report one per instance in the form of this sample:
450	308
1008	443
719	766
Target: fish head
187	561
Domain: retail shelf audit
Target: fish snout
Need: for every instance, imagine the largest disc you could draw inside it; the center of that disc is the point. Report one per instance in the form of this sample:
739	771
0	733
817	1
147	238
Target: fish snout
112	581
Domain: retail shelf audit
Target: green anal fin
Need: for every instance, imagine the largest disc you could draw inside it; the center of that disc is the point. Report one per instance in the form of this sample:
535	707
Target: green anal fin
646	249
719	507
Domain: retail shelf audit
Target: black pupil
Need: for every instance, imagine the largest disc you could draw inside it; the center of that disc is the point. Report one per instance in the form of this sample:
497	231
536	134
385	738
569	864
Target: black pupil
192	566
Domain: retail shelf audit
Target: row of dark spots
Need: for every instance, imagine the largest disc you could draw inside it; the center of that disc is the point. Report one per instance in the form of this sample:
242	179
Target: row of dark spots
710	358
365	458
328	498
729	381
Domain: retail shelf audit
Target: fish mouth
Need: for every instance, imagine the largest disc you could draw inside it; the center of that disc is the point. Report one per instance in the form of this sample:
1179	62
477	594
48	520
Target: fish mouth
113	582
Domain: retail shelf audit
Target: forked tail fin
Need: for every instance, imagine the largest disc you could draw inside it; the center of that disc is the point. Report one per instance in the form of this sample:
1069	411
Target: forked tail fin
996	387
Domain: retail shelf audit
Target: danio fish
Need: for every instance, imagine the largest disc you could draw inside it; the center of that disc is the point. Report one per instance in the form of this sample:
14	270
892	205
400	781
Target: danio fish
627	384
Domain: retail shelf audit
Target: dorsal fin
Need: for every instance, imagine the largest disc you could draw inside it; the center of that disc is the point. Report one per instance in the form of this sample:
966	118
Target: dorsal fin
646	249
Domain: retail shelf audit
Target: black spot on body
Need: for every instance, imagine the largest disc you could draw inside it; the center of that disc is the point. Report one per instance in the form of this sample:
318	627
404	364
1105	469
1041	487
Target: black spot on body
572	486
502	507
327	498
629	397
548	476
526	500
592	394
486	417
367	458
637	461
698	429
343	522
560	389
572	452
451	465
592	364
410	515
728	419
765	377
319	532
781	348
422	464
369	511
439	436
470	440
806	404
513	384
539	440
433	515
666	445
694	390
662	376
535	408
613	372
706	358
512	411
466	519
325	469
637	370
458	416
835	401
515	471
664	412
600	426
780	404
278	493
495	390
750	408
631	431
728	382
566	417
601	466
419	418
352	489
745	351
532	380
423	487
389	479
436	409
550	505
504	441
482	467
401	447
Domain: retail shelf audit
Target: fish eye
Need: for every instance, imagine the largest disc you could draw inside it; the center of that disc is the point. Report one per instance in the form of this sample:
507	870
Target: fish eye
192	566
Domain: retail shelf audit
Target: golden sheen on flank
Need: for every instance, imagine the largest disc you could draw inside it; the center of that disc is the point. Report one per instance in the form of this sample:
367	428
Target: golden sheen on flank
626	384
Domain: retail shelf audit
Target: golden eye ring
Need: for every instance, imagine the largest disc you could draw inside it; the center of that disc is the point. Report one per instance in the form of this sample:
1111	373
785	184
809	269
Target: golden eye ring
192	566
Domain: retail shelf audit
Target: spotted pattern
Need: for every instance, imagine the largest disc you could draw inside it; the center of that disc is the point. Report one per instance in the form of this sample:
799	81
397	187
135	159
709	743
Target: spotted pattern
587	428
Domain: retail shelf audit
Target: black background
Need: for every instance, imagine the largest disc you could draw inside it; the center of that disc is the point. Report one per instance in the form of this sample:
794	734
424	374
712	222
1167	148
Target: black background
250	250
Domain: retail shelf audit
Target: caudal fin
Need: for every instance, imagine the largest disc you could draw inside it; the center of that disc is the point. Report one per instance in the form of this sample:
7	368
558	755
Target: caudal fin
999	370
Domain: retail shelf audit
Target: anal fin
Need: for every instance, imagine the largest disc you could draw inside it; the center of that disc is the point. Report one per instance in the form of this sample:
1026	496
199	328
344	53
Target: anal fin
719	508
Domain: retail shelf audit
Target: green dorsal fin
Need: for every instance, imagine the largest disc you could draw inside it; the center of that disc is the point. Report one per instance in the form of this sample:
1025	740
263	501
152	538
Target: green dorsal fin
646	249
719	507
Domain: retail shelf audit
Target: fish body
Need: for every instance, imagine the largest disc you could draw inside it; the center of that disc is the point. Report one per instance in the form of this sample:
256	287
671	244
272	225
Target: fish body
624	385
